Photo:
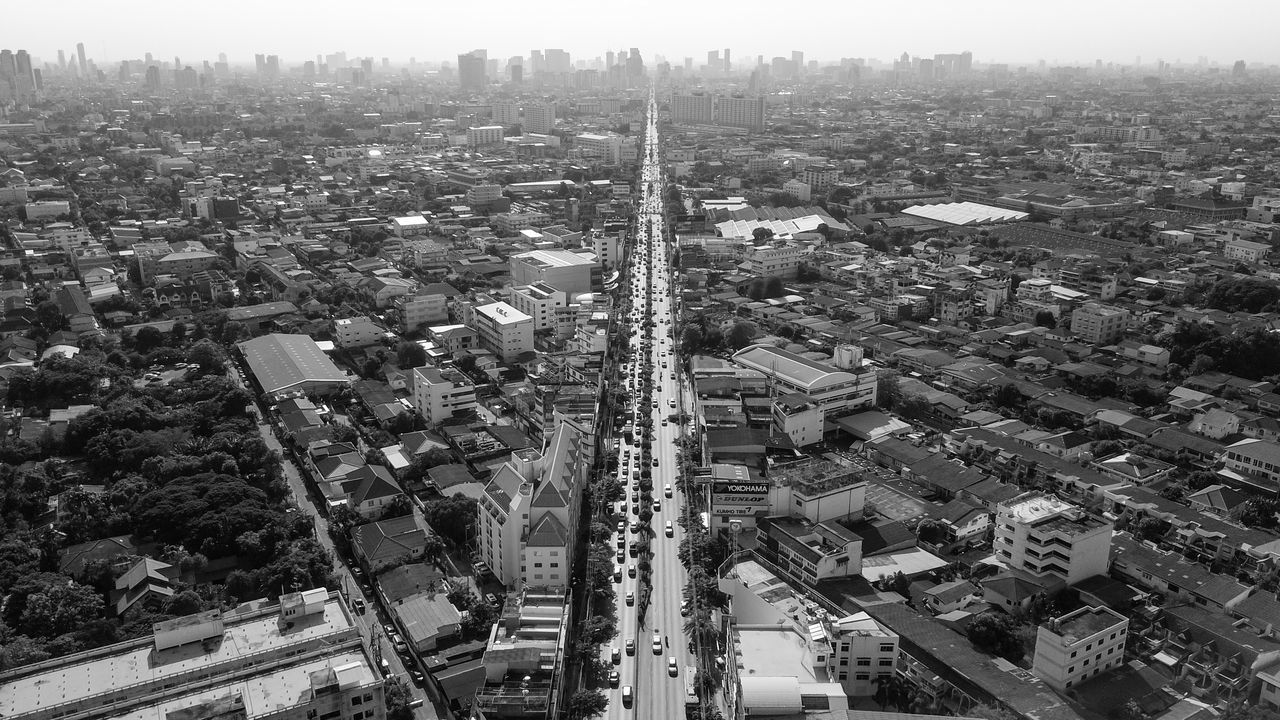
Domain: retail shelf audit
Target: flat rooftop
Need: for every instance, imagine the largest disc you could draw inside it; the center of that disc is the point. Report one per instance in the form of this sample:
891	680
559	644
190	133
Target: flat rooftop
268	692
1034	507
80	677
777	652
1087	621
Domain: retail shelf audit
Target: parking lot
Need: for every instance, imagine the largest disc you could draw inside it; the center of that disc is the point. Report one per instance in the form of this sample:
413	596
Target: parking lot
894	503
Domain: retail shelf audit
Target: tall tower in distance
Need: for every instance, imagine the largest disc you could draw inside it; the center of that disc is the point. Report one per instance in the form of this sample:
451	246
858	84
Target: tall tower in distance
84	64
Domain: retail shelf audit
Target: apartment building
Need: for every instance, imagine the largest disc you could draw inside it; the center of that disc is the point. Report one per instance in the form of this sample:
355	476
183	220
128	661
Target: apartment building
355	332
539	301
779	261
524	657
696	108
1099	324
1043	535
820	178
527	516
299	660
808	551
863	653
511	223
561	269
1079	645
741	112
539	118
502	329
422	309
1246	461
485	135
440	394
606	149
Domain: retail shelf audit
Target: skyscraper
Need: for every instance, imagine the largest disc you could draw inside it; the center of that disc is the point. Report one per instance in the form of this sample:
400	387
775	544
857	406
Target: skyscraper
743	112
25	80
153	77
471	71
727	64
62	60
84	64
797	61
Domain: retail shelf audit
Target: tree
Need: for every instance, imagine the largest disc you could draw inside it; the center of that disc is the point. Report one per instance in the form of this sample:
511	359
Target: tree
59	608
587	703
761	234
206	355
1046	319
1131	710
410	355
931	531
997	634
453	517
1008	396
396	697
741	333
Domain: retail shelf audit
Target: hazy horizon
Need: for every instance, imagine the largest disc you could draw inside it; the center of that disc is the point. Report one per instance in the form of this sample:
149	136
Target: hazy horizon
993	30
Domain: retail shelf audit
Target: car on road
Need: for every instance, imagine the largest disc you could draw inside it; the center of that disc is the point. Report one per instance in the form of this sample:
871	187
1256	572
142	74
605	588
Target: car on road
631	598
657	643
631	646
389	629
655	462
615	656
367	589
672	669
657	505
399	644
617	574
684	608
622	556
627	696
622	541
418	678
631	570
622	524
666	490
358	605
671	531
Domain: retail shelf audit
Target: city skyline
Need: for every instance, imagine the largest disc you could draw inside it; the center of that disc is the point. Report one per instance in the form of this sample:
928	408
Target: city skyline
999	31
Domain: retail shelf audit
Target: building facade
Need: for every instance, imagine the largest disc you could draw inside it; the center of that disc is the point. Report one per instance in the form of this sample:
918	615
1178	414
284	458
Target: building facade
1079	645
1043	535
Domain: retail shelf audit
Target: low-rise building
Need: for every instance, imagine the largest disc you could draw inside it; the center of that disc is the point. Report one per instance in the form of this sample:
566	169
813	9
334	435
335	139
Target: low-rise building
1041	534
1079	645
440	394
502	329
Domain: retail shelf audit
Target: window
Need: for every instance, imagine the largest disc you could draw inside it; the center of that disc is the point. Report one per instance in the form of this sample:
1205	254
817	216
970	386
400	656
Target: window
1073	653
1071	669
842	676
886	647
555	564
864	662
885	663
537	576
356	701
844	647
862	676
844	662
537	565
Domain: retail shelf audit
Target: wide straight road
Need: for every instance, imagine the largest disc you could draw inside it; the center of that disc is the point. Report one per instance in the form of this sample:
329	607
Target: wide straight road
656	693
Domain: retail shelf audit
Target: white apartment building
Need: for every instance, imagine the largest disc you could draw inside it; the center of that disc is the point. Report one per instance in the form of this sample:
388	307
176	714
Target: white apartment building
799	418
606	149
527	516
485	135
512	223
484	193
1099	324
355	332
1043	535
779	261
539	301
742	112
1079	645
820	178
1245	251
503	330
539	118
308	661
799	189
506	113
862	652
695	108
605	247
440	394
563	270
419	310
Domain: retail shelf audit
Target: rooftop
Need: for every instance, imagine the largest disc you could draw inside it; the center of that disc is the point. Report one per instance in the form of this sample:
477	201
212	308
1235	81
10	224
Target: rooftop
281	362
1086	622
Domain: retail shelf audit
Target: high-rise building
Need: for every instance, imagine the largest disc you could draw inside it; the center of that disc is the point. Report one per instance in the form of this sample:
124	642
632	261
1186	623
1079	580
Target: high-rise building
260	63
62	60
153	77
273	65
797	61
728	65
471	71
25	80
743	112
506	113
84	64
608	59
697	108
557	61
527	516
539	118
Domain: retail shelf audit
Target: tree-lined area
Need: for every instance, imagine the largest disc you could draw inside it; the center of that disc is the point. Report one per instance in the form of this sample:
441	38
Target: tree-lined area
176	470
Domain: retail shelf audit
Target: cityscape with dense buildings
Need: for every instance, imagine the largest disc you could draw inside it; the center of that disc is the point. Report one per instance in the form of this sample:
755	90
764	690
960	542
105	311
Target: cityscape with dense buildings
620	384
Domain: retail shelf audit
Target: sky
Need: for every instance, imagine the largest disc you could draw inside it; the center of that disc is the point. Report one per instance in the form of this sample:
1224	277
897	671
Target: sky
1012	31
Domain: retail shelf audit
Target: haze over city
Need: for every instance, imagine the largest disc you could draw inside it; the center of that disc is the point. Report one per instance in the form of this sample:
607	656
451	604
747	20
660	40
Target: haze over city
994	30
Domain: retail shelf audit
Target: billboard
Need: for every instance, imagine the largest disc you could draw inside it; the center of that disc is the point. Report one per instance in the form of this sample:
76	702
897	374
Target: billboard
739	498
